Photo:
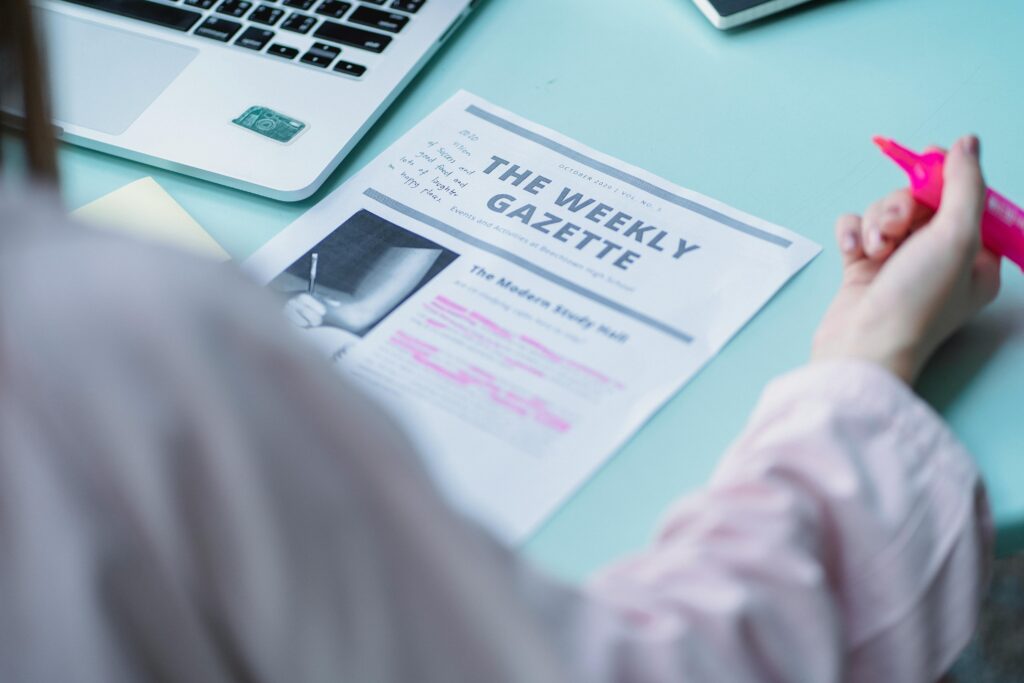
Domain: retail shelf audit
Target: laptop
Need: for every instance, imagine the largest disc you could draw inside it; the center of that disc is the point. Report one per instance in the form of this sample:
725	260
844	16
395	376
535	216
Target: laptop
726	14
266	96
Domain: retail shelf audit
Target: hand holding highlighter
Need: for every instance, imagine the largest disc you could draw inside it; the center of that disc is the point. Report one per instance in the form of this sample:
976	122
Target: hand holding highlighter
1002	225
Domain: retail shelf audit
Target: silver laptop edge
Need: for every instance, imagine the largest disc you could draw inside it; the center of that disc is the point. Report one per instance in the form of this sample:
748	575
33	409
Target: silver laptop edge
173	100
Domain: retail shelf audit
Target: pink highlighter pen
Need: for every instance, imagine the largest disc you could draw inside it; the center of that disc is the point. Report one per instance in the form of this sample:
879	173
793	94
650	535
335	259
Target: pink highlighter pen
1002	225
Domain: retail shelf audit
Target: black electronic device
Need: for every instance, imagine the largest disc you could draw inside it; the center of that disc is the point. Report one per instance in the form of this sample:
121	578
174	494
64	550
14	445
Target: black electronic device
730	13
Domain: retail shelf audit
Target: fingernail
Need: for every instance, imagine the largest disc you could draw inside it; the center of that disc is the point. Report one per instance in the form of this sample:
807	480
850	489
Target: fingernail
970	145
871	224
873	241
849	243
974	146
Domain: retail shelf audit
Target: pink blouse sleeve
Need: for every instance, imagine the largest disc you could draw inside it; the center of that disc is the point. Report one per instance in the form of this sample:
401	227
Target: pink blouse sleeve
845	536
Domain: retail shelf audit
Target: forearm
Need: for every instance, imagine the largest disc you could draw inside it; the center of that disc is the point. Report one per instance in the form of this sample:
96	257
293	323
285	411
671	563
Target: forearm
845	536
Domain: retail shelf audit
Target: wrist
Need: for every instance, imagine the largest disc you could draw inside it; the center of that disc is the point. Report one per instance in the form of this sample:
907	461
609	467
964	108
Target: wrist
877	347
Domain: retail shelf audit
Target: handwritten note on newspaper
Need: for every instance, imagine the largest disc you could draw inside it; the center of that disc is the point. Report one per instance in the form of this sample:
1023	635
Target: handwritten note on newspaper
523	302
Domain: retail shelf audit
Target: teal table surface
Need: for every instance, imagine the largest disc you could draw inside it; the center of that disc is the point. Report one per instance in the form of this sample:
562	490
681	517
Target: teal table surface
774	119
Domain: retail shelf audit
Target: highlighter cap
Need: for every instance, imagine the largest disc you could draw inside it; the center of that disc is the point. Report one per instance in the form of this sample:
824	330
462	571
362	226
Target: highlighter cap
906	159
924	170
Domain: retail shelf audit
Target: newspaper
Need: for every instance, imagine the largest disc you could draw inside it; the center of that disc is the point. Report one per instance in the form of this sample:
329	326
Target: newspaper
524	303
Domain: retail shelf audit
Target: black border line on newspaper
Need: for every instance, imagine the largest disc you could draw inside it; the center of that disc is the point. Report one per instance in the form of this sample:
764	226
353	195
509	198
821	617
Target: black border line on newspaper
639	183
526	265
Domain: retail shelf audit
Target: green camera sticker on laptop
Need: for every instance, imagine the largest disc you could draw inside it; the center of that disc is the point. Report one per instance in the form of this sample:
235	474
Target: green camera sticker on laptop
270	124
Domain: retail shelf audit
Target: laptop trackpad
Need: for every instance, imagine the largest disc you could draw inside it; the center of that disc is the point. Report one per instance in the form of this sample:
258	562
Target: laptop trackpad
104	78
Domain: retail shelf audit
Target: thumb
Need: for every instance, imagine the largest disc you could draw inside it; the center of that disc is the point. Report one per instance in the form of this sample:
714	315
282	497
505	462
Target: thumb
963	194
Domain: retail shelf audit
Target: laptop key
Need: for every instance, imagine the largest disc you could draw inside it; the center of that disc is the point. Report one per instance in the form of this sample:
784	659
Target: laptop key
333	8
265	14
254	38
350	69
321	55
218	29
410	6
282	51
355	37
201	4
375	18
299	23
143	10
234	8
299	4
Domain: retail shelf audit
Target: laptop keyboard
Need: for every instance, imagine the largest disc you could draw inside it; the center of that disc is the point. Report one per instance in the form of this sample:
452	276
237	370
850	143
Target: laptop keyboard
266	25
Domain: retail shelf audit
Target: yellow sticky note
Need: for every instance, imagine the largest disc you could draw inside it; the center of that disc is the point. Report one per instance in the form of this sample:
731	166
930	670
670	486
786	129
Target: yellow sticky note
144	210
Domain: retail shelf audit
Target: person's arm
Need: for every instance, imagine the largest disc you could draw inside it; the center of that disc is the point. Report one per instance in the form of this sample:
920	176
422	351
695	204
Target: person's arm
846	534
843	537
390	280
